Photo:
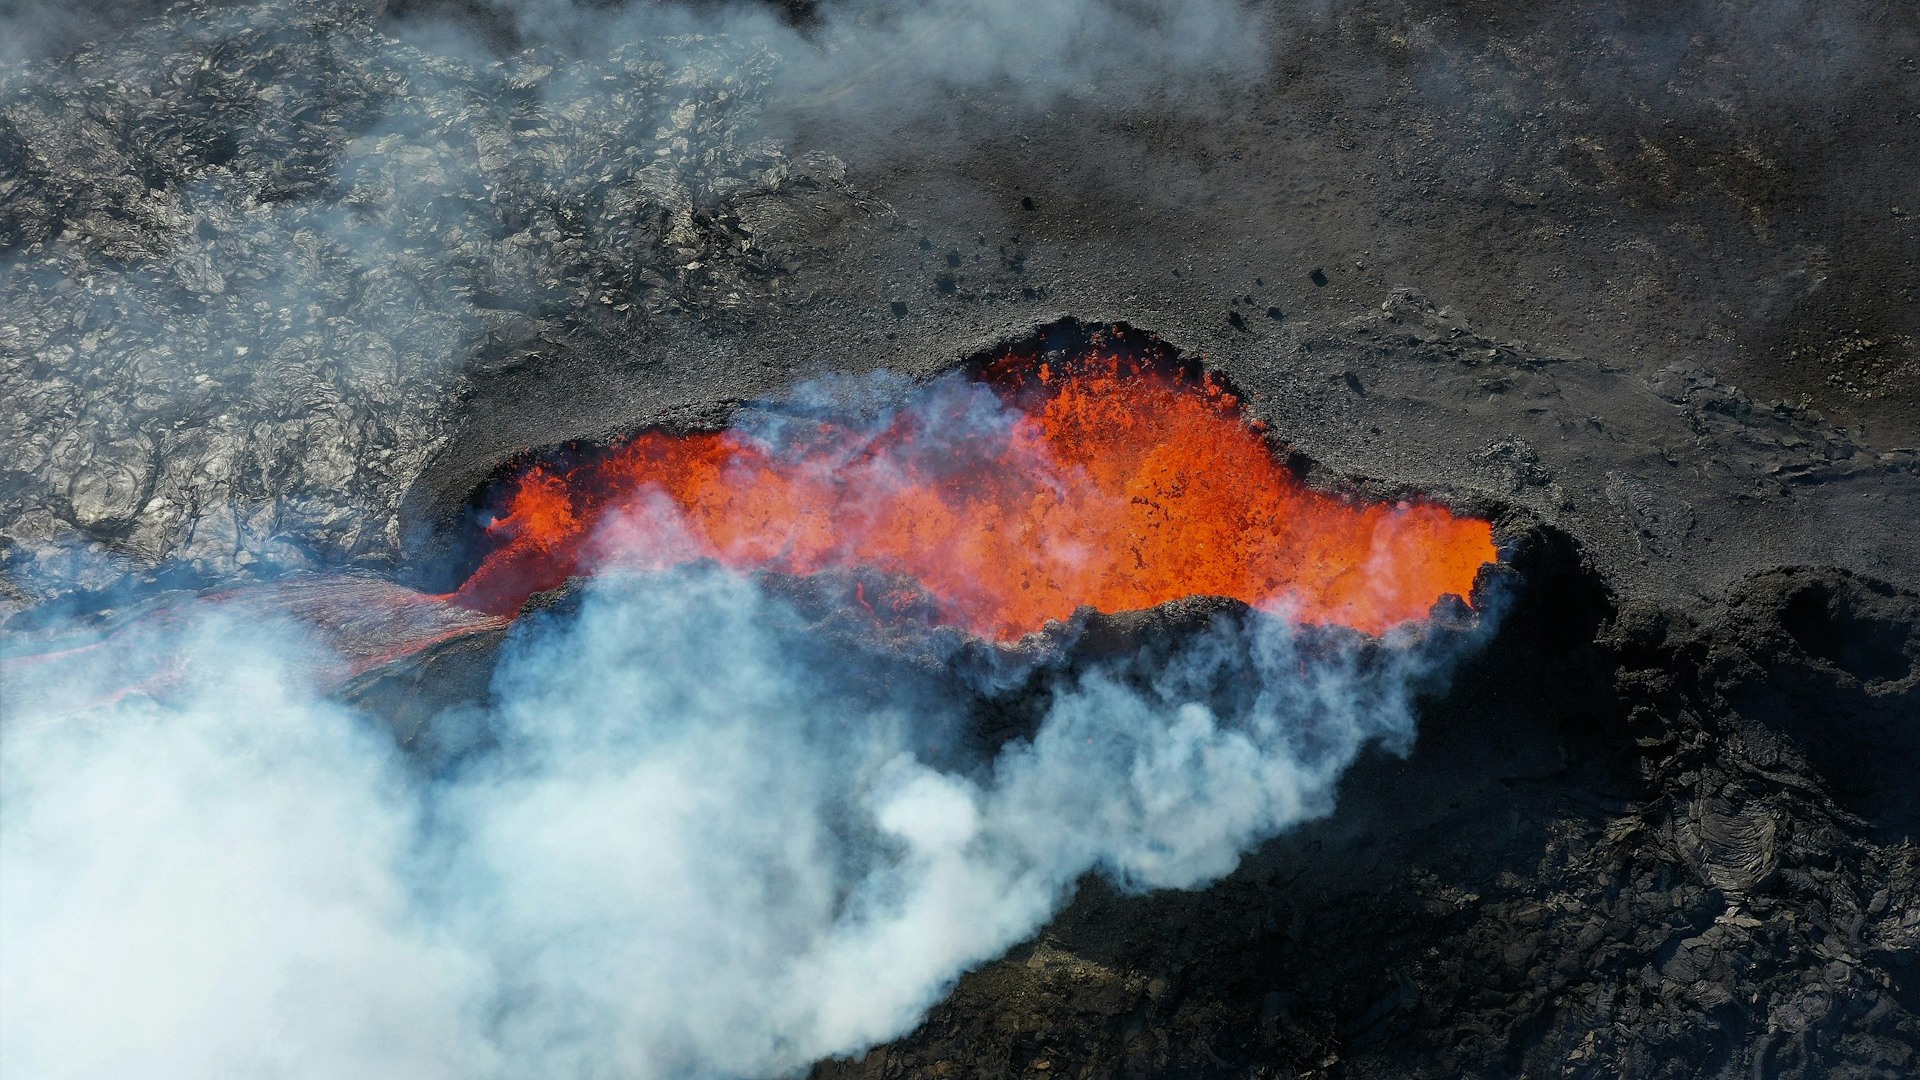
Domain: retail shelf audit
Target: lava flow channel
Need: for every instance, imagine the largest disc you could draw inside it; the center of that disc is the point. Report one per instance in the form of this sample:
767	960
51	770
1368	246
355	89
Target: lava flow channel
1012	498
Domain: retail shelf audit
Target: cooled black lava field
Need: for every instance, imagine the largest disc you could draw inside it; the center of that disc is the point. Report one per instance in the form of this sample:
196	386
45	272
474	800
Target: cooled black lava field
1153	538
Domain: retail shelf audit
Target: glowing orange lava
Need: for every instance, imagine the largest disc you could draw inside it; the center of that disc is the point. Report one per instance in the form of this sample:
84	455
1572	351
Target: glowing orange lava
1108	479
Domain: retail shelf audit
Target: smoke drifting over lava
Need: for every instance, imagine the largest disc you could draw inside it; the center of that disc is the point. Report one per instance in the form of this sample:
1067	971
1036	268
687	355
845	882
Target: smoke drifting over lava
1103	475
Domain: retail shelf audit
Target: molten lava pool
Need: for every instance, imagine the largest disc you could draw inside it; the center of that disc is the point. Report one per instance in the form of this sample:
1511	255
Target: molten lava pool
1106	475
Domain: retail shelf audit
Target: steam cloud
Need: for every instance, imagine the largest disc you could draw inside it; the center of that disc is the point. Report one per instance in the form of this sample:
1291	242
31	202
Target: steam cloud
689	837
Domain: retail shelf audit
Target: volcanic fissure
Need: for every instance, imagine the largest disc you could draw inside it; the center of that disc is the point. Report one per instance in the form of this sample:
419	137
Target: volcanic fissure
1084	467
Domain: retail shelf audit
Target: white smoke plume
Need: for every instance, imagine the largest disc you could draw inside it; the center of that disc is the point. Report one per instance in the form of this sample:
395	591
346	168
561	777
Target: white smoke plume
688	838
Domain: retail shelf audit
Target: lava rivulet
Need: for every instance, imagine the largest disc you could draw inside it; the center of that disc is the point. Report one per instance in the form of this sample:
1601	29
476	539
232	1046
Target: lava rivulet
1012	498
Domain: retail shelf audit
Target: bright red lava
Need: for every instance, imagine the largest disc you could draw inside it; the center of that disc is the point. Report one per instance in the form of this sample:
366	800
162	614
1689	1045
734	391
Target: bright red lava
1107	479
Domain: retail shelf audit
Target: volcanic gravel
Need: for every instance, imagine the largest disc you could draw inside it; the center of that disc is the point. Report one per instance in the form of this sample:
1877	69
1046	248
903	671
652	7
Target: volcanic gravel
285	285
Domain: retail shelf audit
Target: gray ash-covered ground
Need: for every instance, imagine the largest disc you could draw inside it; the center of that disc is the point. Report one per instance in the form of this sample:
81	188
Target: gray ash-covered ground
285	284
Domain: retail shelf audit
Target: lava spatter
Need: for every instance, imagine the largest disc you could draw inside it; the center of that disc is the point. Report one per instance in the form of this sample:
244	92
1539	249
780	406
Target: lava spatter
1013	496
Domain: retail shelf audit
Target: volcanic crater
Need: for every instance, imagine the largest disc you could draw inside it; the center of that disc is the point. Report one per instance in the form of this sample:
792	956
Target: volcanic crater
1075	466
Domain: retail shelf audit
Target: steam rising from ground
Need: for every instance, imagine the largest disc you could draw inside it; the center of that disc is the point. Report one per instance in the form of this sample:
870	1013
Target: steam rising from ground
689	838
